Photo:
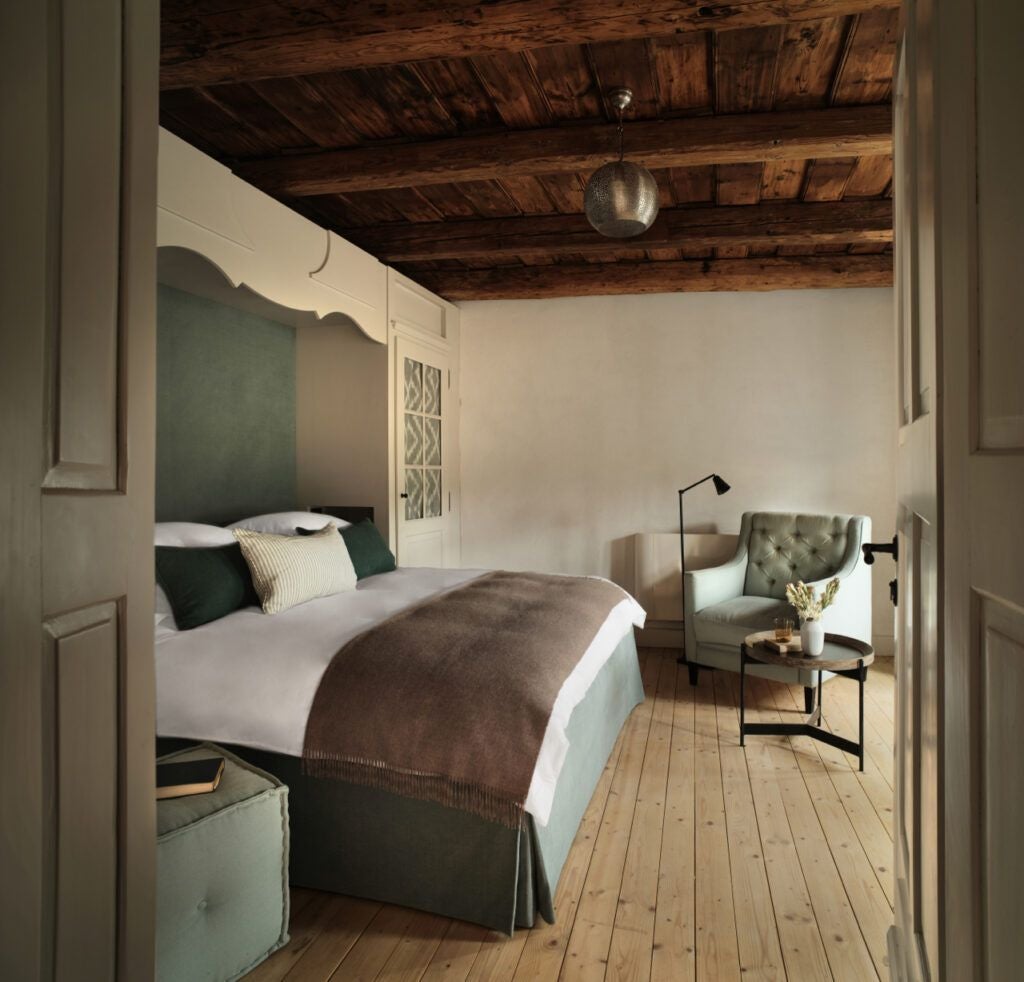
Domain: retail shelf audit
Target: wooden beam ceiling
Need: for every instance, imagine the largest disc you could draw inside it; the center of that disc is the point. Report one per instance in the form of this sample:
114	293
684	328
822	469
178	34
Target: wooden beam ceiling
205	43
843	131
684	276
771	224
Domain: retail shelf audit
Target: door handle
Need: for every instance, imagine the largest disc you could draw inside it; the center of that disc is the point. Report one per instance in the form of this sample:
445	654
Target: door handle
870	548
403	495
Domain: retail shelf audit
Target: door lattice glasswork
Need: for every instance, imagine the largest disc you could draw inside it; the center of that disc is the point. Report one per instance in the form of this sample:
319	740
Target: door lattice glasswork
422	440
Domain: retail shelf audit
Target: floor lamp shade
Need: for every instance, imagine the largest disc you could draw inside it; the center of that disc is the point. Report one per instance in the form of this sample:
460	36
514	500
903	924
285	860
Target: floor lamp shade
721	486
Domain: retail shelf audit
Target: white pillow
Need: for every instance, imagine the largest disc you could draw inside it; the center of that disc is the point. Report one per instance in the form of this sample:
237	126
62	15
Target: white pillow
290	569
286	522
162	610
191	534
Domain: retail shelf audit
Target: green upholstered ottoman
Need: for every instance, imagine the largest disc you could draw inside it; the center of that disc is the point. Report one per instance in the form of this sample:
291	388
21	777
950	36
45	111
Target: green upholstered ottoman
222	874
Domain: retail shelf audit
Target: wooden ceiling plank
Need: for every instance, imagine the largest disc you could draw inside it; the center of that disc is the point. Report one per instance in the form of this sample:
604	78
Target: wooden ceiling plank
693	185
525	282
865	74
529	194
204	124
509	81
778	223
408	101
628	63
782	179
357	210
347	95
449	200
808	61
565	76
827	179
489	199
457	85
411	204
565	191
745	64
205	45
304	106
682	68
738	184
748	138
871	177
251	115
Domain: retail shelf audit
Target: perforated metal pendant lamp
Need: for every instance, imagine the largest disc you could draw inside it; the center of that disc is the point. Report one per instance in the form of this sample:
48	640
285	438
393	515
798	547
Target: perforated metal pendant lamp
621	199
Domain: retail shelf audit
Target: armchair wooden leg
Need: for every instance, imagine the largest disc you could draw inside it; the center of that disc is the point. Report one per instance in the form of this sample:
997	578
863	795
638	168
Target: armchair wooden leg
808	699
694	669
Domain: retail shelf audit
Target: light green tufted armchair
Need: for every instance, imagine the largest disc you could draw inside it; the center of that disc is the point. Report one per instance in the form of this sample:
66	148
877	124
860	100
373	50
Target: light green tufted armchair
726	603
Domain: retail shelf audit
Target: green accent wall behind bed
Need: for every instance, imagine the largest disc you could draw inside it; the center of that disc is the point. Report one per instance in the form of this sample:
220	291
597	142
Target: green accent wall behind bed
225	428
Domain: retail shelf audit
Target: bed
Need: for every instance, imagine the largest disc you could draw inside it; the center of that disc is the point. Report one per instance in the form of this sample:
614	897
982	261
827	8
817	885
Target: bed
247	681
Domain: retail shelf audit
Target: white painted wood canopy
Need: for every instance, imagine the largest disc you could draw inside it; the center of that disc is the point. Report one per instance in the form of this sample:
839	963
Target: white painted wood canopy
258	243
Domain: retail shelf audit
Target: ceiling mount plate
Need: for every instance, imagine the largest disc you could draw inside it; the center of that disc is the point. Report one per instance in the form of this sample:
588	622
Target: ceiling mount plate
620	98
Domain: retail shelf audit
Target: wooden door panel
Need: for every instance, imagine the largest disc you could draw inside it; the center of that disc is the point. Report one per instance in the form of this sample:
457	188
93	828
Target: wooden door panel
84	655
999	633
85	353
998	394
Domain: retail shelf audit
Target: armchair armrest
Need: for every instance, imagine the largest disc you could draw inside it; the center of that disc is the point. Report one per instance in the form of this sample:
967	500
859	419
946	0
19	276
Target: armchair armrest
705	587
713	585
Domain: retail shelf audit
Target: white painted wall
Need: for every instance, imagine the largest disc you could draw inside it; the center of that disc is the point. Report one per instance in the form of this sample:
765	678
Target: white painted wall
582	417
341	419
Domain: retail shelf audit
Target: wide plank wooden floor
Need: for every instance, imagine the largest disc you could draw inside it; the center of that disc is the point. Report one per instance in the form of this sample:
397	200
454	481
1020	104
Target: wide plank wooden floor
697	859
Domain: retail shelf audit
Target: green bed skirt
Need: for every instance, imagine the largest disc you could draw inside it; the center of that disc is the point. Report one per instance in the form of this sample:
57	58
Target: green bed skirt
369	843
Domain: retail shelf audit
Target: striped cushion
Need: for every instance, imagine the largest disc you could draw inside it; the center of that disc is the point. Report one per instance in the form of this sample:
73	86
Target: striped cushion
289	570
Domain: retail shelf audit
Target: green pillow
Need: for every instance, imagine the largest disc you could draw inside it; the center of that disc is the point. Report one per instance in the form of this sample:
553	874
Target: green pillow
203	585
366	548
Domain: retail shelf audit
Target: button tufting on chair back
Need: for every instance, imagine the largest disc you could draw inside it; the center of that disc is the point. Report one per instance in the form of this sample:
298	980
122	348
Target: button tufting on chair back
784	548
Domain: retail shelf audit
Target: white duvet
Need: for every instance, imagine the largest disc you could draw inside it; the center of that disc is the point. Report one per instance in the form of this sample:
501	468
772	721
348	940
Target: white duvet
250	678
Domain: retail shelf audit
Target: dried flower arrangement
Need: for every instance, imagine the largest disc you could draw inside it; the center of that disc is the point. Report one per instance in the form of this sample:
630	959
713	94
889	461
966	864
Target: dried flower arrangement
804	598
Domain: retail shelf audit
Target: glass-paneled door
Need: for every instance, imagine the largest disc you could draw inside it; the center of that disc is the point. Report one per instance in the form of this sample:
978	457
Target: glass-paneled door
421	412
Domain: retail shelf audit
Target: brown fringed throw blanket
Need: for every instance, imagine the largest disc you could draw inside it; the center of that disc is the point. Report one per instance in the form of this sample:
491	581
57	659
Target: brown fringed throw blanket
449	700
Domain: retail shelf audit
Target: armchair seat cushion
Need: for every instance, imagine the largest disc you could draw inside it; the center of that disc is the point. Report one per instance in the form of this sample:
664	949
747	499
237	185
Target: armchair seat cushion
729	622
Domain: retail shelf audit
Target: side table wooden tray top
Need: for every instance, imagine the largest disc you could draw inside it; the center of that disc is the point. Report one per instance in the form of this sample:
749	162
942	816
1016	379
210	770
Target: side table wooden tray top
841	655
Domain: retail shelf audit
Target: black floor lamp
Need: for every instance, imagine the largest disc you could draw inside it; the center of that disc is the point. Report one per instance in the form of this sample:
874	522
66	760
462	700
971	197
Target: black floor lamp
721	487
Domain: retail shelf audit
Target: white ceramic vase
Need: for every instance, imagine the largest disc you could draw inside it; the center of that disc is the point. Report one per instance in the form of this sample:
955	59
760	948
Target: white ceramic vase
812	638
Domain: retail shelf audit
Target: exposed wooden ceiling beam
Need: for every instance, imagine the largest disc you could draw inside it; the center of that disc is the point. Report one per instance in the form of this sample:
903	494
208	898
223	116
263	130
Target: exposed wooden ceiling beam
730	139
770	223
692	275
203	47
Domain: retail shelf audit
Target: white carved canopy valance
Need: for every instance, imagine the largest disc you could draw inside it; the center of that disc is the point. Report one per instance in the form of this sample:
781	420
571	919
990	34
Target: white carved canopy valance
258	243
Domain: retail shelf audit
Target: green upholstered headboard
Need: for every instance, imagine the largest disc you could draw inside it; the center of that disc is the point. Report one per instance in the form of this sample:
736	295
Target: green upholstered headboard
225	421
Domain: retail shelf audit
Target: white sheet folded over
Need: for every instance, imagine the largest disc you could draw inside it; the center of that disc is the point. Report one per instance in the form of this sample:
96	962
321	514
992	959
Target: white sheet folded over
250	678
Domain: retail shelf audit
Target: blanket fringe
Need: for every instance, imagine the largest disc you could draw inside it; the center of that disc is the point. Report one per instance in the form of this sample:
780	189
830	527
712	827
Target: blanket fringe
467	796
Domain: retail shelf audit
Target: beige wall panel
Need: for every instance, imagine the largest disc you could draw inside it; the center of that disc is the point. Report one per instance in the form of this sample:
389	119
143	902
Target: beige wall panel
341	425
